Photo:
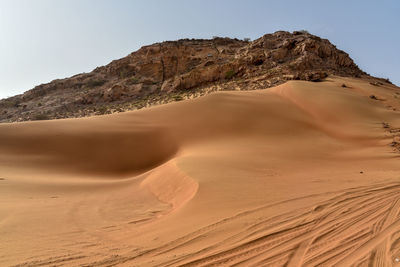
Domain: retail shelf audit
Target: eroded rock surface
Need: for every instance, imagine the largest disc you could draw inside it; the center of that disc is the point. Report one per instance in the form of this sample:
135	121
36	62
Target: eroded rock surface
175	70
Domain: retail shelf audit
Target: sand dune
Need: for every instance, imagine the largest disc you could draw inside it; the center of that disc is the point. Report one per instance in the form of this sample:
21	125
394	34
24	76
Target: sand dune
303	174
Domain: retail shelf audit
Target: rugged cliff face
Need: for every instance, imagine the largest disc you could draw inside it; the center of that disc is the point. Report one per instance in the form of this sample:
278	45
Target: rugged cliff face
175	70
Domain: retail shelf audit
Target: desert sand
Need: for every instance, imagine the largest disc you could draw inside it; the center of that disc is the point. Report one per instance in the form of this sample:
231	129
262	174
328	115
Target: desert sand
303	174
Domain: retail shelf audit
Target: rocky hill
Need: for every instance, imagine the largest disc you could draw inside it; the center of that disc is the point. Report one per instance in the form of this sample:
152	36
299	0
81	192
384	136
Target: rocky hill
176	70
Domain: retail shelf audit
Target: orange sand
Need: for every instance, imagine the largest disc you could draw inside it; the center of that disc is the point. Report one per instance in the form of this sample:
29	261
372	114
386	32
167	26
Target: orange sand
297	175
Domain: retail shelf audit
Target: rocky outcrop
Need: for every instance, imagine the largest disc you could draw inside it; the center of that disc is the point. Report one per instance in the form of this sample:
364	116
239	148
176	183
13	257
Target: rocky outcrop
173	70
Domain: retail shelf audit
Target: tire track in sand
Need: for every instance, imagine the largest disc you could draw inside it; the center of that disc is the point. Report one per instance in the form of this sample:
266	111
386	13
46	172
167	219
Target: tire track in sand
351	228
354	227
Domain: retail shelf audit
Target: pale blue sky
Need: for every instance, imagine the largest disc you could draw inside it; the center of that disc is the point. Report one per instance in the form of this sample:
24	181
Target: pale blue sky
41	40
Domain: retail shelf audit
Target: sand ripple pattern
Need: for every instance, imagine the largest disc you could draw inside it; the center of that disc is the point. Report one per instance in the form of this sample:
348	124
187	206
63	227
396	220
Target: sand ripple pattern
356	227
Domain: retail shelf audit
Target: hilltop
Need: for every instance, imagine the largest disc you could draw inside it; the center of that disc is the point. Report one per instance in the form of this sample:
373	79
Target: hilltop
177	70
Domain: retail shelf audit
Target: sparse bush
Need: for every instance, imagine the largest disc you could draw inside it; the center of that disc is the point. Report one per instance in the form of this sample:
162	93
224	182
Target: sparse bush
40	117
246	39
177	98
300	32
95	83
388	81
133	80
102	110
123	74
229	74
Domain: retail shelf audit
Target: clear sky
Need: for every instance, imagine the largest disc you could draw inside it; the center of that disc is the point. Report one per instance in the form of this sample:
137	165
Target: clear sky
42	40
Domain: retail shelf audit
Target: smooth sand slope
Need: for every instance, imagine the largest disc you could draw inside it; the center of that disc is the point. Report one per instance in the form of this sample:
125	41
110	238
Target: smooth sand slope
303	174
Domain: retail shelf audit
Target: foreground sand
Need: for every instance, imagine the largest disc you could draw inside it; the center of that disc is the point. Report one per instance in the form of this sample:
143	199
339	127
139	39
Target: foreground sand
302	174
